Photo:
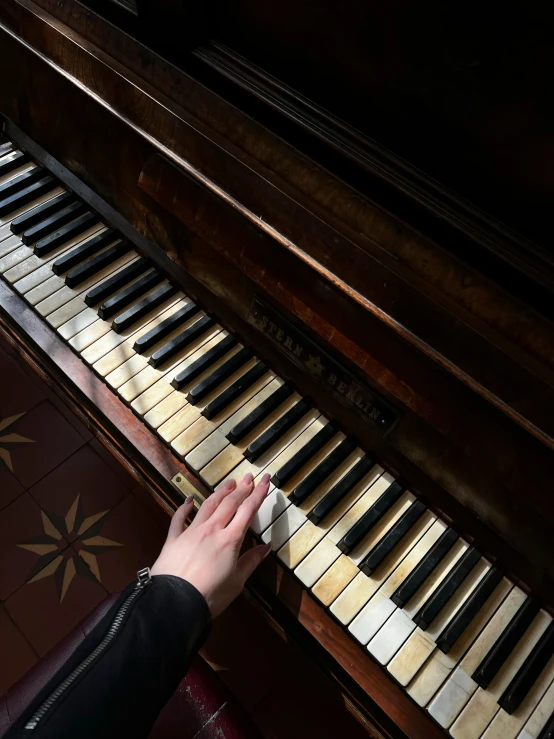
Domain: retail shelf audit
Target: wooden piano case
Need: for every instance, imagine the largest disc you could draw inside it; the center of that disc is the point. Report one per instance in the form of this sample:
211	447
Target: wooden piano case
233	212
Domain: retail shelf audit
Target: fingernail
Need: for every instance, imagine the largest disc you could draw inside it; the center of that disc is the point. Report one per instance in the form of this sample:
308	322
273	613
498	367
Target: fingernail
189	499
247	479
267	550
266	478
228	484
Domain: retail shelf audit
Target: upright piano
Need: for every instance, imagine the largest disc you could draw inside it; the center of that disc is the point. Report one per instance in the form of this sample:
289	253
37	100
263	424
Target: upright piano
313	239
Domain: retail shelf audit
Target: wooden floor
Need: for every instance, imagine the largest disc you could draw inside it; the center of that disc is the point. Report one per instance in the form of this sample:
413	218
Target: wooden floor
75	526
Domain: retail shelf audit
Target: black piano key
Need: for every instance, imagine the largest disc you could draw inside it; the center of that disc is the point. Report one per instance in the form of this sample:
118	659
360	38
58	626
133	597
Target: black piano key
20	182
142	308
129	294
195	369
41	212
433	606
249	422
162	355
6	147
27	195
341	489
397	532
469	610
83	251
53	222
505	644
164	328
103	291
18	159
277	430
210	383
529	672
93	265
364	525
69	231
323	470
421	572
302	456
548	729
234	391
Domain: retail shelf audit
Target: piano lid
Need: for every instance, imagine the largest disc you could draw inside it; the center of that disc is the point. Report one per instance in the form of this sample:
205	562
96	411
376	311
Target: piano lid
440	113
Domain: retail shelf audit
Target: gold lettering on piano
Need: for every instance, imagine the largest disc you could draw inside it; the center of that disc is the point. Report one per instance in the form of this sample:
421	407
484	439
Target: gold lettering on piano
325	370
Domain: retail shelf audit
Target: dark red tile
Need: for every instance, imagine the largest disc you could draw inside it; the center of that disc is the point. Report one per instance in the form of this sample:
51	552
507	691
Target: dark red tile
126	478
48	439
125	540
17	654
70	416
17	393
79	492
249	679
51	604
10	487
28	542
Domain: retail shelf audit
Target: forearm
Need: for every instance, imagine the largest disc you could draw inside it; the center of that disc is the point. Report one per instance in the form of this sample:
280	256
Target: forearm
133	661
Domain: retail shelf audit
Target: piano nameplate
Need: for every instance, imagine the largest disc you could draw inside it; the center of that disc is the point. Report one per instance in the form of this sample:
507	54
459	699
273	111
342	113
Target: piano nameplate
327	372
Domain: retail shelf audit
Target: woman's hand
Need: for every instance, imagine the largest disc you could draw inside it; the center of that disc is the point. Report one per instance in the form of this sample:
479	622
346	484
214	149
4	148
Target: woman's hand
207	552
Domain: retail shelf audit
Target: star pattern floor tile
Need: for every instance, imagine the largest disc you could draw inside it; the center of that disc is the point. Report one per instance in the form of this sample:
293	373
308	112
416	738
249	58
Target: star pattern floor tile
36	442
65	592
28	542
128	538
79	493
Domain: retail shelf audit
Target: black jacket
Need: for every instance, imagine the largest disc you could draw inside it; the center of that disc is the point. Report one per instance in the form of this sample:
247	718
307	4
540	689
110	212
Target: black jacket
124	672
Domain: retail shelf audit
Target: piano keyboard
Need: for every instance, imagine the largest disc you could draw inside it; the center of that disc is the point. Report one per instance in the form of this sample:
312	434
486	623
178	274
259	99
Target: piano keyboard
466	644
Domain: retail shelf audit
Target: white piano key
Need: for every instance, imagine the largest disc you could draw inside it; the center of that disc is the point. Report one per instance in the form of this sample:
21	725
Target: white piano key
181	413
458	599
439	574
272	507
9	244
225	462
362	505
381	527
537	720
411	656
44	290
100	348
483	705
508	726
419	646
154	381
317	562
438	667
25	262
283	528
206	451
351	600
335	580
77	324
452	698
413	558
388	640
370	619
301	544
6	220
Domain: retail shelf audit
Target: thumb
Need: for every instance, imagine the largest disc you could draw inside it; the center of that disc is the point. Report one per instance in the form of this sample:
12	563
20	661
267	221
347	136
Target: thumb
251	559
177	525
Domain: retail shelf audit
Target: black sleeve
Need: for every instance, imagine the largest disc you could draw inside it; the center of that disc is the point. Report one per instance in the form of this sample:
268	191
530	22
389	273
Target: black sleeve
120	677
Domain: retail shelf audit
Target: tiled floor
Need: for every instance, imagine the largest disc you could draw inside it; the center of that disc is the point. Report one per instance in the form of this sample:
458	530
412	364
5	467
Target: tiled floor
75	526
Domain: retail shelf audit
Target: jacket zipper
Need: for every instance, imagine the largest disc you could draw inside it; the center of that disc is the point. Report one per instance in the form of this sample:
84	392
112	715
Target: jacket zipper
143	580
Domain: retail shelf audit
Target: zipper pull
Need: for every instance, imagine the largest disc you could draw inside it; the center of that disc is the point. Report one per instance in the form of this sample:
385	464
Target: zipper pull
143	577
